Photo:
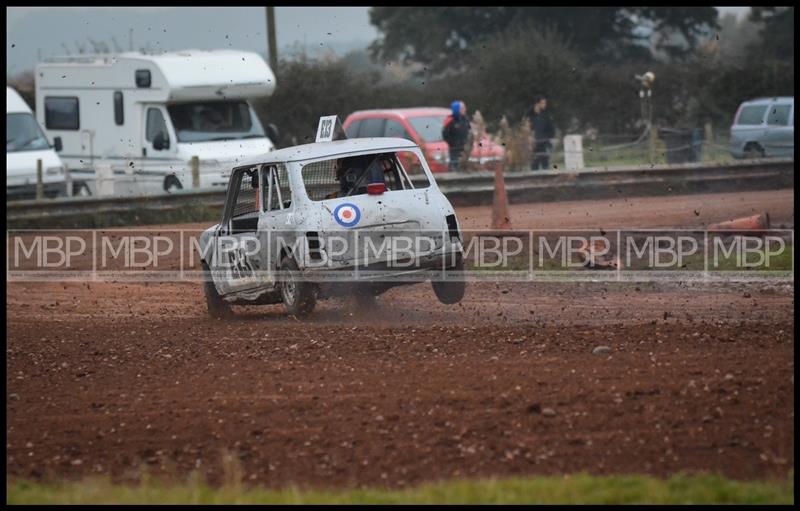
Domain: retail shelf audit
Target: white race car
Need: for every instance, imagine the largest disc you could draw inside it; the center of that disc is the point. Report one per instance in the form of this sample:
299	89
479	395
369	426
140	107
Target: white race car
331	218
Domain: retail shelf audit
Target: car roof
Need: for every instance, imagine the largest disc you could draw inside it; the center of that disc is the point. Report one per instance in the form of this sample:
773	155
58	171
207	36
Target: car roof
322	149
758	101
404	112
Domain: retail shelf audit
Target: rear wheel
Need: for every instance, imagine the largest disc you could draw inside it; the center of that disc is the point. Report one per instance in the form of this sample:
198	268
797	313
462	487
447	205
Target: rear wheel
298	295
451	291
217	308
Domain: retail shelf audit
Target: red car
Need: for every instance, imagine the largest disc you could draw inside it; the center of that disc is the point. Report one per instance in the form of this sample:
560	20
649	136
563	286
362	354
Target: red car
423	126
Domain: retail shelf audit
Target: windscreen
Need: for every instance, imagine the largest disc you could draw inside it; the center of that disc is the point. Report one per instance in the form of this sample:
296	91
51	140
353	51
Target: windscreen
24	134
346	177
214	120
428	128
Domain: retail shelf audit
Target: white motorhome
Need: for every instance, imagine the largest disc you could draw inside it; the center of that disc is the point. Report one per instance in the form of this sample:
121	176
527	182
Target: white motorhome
149	115
25	144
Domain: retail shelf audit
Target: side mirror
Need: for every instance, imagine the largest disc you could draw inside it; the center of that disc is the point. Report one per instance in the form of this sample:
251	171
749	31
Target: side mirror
58	145
160	141
272	133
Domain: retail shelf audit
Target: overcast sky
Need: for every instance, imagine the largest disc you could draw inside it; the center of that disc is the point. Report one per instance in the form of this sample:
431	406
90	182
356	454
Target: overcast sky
34	32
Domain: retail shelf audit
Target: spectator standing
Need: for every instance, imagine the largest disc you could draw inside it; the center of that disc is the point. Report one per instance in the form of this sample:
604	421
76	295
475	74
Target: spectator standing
543	131
456	132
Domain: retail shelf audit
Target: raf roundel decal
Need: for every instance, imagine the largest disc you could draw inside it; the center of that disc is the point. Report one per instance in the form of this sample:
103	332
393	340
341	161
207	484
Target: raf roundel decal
347	215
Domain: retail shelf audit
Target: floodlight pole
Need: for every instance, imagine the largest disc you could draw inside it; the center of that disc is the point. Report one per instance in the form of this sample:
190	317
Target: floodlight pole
272	40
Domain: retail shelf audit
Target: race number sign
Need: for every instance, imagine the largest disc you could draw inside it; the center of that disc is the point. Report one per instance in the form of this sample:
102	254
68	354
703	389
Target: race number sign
325	128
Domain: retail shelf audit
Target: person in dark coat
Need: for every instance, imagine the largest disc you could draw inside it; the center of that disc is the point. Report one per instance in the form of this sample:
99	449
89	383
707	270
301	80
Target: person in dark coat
543	130
456	132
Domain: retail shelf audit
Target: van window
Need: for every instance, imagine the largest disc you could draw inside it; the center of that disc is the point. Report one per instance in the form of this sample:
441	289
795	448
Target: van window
779	115
119	114
23	133
752	114
61	113
155	124
395	129
371	128
352	129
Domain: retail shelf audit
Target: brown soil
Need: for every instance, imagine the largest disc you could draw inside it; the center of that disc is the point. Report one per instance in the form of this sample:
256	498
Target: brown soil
107	378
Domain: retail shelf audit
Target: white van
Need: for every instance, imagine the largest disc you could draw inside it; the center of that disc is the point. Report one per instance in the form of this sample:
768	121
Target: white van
25	144
148	115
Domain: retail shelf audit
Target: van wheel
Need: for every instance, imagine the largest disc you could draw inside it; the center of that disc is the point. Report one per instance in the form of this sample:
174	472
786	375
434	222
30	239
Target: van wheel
172	185
217	308
298	295
753	151
81	190
451	292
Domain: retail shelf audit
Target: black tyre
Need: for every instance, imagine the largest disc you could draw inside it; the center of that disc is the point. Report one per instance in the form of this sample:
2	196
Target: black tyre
753	151
172	185
299	296
451	291
217	308
366	297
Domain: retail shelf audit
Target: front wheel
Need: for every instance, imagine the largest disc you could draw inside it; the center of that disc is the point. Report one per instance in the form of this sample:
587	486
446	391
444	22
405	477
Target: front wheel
172	185
217	308
450	292
298	295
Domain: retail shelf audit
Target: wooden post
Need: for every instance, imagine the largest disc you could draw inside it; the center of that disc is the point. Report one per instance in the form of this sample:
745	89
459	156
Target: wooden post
39	182
272	40
708	141
195	172
653	134
67	182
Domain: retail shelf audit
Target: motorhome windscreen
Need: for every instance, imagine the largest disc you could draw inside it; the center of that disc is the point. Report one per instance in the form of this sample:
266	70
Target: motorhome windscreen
349	176
23	134
208	121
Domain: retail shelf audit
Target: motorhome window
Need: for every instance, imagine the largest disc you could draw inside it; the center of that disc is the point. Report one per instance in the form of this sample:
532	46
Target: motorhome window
779	115
155	125
214	120
346	177
395	129
429	129
371	128
24	134
752	114
61	113
119	113
143	78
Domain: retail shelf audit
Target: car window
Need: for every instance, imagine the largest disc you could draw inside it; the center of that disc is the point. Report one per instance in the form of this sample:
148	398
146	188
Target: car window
246	200
429	129
371	128
277	193
779	115
352	129
346	177
395	129
752	114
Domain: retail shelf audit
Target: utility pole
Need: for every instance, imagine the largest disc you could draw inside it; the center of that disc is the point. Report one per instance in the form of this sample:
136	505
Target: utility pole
130	39
271	40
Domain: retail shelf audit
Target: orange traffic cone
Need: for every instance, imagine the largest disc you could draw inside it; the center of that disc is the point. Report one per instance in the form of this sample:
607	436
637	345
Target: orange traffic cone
501	218
752	224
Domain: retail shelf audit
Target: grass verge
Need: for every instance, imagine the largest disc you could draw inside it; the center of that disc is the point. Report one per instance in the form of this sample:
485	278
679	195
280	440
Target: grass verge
575	489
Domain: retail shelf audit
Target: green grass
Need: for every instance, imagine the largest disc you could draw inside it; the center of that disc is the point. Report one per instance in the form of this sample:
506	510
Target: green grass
576	489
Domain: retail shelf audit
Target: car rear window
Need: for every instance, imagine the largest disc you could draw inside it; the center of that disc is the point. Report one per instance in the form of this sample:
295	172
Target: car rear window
429	129
779	115
752	114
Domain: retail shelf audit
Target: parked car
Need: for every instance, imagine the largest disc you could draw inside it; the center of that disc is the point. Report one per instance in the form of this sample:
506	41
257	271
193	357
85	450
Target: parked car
423	126
328	218
763	127
25	145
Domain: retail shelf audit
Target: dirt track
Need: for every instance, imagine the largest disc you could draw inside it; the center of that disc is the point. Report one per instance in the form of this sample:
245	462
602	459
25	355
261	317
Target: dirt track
106	378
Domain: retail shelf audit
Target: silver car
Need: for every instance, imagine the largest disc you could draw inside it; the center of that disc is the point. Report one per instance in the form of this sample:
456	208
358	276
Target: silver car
763	127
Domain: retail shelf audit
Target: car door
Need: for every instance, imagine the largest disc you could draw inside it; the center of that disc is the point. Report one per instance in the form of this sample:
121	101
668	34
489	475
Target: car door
236	258
159	153
779	138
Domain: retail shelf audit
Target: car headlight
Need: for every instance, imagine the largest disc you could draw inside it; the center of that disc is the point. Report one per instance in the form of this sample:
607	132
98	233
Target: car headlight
54	171
440	157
